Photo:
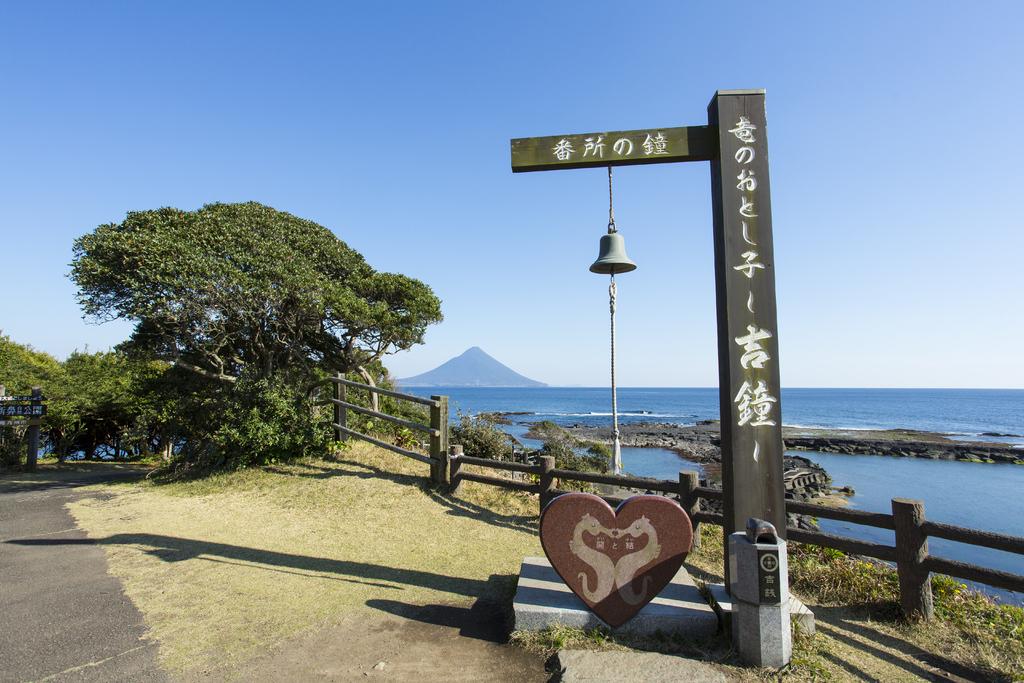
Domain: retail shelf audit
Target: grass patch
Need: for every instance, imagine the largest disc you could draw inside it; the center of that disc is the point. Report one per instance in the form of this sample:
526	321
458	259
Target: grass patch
860	631
225	566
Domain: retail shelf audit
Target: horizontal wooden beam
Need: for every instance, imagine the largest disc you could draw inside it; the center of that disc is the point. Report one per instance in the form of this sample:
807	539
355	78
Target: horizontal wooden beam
972	572
614	148
496	481
988	539
383	444
497	464
384	416
386	392
879	520
662	485
846	545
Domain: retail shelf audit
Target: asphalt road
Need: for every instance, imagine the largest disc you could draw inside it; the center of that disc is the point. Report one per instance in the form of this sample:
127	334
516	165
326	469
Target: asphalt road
62	616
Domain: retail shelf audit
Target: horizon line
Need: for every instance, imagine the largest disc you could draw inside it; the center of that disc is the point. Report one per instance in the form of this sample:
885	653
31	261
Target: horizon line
605	387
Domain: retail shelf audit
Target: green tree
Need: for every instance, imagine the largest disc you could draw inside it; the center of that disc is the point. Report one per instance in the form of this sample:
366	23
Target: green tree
250	306
243	288
21	369
98	407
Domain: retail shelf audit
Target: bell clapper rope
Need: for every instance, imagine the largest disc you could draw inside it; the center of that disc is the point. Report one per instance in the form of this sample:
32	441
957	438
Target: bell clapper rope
616	447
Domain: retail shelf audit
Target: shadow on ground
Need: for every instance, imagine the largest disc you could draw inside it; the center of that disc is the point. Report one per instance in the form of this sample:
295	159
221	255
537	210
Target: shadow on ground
843	624
173	549
486	619
456	506
69	475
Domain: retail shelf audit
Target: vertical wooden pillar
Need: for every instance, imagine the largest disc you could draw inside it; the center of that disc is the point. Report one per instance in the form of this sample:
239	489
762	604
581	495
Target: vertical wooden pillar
911	552
439	439
454	466
688	483
340	412
3	392
32	456
547	480
748	349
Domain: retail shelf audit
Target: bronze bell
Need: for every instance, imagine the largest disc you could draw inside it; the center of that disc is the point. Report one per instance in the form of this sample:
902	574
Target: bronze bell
612	259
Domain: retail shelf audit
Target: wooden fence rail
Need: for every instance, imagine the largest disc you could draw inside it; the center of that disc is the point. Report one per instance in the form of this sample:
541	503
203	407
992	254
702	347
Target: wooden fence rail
910	551
437	429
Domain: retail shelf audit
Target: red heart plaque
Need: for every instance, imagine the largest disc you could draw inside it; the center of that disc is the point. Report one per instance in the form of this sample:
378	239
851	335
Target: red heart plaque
615	561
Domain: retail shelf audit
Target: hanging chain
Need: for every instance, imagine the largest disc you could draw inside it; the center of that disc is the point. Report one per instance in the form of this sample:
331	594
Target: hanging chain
611	208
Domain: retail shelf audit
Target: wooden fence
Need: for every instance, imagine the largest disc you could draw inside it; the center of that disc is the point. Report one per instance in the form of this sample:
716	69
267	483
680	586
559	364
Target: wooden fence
907	520
437	429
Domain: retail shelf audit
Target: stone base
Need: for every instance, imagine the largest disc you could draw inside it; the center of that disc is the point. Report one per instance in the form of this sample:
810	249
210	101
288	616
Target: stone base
722	602
543	600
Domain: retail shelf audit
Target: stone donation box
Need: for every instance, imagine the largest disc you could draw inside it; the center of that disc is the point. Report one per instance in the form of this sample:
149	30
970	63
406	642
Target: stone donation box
759	585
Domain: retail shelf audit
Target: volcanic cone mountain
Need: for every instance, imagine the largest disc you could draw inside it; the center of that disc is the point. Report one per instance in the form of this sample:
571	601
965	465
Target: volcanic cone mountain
474	368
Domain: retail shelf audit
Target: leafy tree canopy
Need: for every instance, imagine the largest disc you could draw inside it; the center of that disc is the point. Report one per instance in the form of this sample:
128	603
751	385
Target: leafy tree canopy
233	289
22	367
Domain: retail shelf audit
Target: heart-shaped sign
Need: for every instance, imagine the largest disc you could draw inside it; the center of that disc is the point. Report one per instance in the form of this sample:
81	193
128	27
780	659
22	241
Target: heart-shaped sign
616	561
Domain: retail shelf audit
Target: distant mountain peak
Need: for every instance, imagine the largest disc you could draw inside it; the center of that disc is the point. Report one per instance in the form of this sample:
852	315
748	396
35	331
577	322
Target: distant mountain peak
474	367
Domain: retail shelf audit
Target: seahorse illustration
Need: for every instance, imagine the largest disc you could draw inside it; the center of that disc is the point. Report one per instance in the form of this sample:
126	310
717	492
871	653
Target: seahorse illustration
602	565
628	565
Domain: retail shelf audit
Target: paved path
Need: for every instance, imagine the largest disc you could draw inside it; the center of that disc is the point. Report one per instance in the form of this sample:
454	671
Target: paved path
62	616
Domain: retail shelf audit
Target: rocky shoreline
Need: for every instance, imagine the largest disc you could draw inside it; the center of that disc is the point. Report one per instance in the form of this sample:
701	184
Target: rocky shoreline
805	480
700	442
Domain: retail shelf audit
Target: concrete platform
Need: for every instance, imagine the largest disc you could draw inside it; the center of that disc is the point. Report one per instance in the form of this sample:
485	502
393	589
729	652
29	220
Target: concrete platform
799	614
542	600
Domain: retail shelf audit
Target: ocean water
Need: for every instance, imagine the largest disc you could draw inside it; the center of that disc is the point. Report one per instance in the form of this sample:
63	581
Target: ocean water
981	496
963	413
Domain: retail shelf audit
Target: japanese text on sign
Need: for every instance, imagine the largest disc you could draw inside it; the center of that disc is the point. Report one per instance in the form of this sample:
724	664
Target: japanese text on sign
754	401
596	146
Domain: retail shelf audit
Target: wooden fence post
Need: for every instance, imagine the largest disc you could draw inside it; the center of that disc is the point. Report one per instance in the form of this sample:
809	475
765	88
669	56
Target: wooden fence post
32	456
340	412
439	439
911	552
454	466
547	480
688	483
3	392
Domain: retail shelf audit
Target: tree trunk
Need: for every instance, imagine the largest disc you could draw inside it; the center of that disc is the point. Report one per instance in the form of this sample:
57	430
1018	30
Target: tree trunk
374	402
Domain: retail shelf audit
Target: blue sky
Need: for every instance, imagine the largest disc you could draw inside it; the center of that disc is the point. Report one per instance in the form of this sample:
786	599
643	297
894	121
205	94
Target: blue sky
895	135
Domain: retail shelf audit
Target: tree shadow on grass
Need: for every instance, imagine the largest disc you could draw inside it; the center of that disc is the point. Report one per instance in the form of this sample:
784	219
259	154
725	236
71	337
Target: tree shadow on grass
456	506
69	476
839	623
348	468
488	618
459	507
173	549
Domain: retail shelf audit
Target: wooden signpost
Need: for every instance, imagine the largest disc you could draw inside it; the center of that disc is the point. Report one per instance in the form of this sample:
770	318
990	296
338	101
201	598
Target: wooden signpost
735	142
28	411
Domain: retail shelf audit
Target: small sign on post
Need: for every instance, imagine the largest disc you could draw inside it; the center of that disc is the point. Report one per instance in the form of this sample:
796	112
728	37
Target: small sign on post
24	411
768	579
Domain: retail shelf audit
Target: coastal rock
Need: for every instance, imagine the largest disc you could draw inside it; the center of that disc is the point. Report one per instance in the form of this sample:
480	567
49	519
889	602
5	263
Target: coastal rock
700	442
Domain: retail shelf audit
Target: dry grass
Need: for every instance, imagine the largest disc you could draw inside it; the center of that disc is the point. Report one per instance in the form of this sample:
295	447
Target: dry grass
860	635
225	566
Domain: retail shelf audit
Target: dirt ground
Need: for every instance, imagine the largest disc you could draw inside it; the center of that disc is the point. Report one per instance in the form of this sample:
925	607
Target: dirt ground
432	643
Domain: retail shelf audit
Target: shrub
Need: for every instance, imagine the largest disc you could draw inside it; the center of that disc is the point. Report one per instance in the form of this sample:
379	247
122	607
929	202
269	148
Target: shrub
481	438
566	457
